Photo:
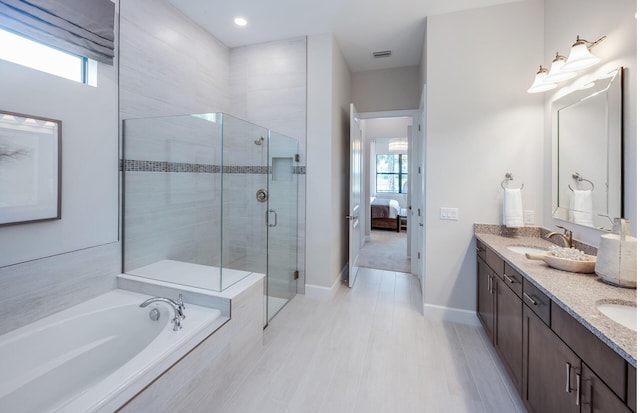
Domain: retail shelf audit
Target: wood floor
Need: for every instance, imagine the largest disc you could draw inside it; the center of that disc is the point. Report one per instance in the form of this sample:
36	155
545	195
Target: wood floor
370	350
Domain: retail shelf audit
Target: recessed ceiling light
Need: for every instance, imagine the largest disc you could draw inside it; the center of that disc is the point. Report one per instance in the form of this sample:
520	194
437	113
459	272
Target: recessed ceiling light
240	21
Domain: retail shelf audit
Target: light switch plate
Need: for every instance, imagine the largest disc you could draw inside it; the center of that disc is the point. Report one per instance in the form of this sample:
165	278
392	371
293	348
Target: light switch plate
450	214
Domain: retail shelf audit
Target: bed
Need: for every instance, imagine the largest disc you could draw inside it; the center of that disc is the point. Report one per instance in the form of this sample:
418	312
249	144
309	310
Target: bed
385	214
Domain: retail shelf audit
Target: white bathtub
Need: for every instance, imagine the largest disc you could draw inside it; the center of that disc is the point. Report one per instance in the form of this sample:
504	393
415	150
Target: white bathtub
95	356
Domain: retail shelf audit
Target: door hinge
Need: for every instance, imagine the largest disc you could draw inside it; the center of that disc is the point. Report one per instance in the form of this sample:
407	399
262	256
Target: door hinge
297	157
419	169
419	127
418	254
296	274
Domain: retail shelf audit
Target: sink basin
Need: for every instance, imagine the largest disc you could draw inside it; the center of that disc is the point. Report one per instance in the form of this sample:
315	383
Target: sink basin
523	249
622	314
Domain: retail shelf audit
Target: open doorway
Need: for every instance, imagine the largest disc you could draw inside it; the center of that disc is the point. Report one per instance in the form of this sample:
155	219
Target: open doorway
387	191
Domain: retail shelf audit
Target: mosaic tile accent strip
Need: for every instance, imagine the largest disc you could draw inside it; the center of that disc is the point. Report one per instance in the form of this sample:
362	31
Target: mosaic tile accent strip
239	169
130	165
133	165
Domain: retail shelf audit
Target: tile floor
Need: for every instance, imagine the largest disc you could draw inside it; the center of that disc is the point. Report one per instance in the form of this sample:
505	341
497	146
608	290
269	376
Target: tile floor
370	350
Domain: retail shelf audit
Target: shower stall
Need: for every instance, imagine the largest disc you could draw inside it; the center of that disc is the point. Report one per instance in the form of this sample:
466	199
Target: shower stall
208	200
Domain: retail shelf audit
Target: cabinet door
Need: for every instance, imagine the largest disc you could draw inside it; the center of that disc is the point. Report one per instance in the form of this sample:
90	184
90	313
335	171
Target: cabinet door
485	298
550	369
509	331
596	397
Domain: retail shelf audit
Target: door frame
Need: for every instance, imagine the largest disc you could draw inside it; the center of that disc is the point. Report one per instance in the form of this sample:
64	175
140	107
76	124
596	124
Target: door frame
412	224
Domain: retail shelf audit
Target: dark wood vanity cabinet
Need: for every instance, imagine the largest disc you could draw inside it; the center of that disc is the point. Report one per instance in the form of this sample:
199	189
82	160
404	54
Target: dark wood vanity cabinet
550	370
555	363
499	308
596	397
485	298
508	330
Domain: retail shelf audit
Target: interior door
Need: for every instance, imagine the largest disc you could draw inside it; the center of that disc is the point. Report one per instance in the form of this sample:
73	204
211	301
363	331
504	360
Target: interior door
355	190
418	190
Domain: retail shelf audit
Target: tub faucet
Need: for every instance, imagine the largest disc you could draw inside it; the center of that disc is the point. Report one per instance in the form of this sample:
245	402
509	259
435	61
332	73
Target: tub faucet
178	309
567	237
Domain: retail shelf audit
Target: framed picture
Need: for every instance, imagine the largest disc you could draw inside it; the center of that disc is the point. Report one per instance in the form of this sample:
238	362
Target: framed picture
30	168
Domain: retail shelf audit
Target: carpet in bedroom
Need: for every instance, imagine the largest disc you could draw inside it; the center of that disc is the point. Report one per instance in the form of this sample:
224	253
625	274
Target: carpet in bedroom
387	250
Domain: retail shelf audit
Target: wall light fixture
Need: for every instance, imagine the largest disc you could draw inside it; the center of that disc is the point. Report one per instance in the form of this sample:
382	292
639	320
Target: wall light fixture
580	56
539	84
563	68
557	72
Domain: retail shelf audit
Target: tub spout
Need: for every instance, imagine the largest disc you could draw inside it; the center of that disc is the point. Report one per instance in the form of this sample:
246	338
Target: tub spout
178	309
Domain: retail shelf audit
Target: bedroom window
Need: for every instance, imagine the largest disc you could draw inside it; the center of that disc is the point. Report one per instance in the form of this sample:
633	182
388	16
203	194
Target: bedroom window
391	173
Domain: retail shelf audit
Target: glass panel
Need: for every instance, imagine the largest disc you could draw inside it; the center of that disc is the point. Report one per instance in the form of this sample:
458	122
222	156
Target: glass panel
283	222
172	199
244	233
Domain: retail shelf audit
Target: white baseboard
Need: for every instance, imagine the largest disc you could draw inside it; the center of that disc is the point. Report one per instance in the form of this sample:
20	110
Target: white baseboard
324	293
455	315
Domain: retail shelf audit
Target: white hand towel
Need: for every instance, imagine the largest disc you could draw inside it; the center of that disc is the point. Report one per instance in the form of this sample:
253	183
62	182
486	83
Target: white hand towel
512	208
581	207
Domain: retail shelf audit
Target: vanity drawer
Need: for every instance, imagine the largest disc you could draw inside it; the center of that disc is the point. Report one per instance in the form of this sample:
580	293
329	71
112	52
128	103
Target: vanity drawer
513	279
605	362
481	250
537	301
494	261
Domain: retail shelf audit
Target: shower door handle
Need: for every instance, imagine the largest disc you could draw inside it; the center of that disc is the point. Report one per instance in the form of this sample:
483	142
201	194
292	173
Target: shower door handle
267	215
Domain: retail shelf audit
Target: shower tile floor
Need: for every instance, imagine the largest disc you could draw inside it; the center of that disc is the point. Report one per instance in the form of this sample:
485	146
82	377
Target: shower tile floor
370	350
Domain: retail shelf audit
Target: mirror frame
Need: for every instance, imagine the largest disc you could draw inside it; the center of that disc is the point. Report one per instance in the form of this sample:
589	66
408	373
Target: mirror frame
612	85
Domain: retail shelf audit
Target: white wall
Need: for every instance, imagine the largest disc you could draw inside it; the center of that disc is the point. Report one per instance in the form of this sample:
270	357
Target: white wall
328	86
319	149
480	124
340	171
386	89
596	18
66	261
387	127
89	160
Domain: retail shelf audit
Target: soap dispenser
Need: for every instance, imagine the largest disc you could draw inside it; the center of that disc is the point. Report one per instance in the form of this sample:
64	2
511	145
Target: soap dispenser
616	263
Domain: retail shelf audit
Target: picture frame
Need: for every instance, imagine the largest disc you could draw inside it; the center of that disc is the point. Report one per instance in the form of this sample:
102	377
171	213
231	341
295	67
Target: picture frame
30	168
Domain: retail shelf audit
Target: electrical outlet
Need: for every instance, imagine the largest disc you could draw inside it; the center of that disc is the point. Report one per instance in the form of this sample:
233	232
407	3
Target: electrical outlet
529	217
450	214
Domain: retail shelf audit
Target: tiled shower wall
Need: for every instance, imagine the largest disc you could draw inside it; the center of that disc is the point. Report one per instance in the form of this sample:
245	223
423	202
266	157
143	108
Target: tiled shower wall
269	87
171	191
187	71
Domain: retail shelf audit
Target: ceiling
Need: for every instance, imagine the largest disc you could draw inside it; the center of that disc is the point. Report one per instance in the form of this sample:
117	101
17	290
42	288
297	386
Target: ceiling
359	26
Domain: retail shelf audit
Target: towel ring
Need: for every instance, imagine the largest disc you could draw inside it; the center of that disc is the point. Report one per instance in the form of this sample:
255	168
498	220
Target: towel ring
579	178
505	182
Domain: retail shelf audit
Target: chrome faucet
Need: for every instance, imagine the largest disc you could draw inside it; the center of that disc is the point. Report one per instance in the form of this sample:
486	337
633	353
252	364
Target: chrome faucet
567	237
177	305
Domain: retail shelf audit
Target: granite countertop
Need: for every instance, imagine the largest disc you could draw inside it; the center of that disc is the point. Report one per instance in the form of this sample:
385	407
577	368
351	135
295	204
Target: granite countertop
578	294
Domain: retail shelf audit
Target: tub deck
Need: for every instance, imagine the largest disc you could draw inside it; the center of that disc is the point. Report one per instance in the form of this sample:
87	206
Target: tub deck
192	275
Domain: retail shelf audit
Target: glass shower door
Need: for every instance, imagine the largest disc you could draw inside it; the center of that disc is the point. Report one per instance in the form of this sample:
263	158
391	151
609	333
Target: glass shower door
282	222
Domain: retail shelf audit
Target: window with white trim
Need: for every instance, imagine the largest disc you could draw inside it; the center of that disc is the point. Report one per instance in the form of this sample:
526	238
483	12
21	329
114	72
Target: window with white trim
26	52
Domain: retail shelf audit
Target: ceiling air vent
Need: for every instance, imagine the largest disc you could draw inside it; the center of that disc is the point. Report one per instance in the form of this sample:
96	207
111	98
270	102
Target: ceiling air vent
381	53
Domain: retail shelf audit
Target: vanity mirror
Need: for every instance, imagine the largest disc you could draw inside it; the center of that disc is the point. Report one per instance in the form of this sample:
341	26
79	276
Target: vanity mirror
587	153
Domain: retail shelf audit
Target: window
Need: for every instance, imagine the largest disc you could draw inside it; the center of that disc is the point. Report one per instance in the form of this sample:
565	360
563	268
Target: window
25	52
391	173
